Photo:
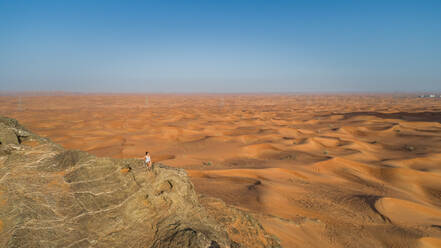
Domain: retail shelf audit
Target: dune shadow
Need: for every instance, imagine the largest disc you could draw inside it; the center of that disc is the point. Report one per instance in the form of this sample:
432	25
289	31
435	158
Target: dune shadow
370	200
407	116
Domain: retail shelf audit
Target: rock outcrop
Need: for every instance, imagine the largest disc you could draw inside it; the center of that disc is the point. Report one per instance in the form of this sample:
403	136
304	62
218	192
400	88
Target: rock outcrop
52	197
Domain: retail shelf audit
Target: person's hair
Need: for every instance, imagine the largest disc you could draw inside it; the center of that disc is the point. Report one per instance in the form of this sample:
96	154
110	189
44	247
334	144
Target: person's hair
146	153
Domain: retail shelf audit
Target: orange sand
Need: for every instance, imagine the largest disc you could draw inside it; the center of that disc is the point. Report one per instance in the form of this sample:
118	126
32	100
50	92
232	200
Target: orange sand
317	170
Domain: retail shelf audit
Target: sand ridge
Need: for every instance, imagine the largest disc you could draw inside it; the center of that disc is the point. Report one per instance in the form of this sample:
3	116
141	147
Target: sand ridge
317	170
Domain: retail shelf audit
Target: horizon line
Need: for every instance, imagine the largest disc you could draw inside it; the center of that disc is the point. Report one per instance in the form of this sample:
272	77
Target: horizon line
57	92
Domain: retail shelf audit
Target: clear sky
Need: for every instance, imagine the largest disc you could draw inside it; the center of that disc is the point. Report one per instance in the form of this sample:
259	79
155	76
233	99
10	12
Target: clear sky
220	46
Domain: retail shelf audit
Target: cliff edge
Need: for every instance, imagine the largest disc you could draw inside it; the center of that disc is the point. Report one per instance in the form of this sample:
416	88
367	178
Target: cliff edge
52	197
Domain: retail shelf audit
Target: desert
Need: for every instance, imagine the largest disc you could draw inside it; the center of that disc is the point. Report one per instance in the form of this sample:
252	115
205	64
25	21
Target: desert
316	170
220	124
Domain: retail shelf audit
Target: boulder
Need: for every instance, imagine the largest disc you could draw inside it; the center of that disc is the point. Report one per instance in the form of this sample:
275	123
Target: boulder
7	135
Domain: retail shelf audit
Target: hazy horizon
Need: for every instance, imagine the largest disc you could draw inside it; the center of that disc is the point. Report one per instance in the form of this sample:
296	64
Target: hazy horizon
227	47
59	92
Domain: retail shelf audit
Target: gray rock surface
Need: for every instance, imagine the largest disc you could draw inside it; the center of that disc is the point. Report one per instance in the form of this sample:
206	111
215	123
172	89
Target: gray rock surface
7	135
52	197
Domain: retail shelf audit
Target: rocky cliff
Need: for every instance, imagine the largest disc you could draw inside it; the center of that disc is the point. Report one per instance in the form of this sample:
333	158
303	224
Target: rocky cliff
52	197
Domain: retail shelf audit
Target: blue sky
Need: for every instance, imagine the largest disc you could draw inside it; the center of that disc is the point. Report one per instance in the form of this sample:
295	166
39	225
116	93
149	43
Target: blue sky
220	46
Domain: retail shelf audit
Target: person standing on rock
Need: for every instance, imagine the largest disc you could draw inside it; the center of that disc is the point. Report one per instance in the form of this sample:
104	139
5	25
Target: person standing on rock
148	161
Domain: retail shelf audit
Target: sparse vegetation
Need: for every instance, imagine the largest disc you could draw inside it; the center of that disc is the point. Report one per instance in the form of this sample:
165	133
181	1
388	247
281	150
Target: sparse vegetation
207	163
409	148
289	157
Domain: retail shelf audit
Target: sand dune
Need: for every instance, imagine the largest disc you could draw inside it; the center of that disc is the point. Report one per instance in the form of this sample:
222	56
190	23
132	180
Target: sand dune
430	242
407	212
316	170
